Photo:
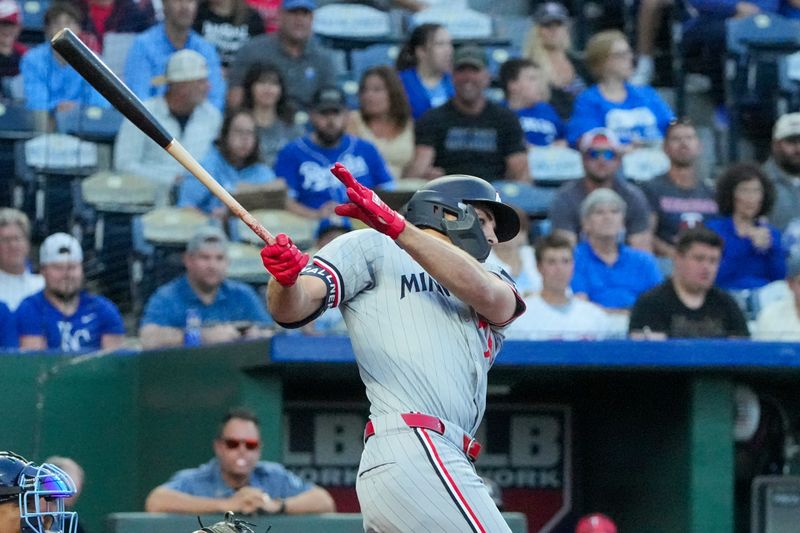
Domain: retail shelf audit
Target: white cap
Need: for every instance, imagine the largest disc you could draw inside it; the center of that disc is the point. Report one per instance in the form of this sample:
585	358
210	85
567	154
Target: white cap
60	248
787	126
186	65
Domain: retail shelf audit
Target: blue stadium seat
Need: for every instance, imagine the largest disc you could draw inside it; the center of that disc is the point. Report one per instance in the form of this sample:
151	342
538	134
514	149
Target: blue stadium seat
535	201
372	56
90	123
755	46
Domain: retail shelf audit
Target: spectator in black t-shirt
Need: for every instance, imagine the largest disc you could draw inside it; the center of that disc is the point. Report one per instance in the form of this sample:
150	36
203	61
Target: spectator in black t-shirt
228	25
469	134
688	305
679	199
10	49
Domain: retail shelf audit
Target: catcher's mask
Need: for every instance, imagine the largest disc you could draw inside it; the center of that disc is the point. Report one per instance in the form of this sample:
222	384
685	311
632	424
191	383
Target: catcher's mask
40	492
457	195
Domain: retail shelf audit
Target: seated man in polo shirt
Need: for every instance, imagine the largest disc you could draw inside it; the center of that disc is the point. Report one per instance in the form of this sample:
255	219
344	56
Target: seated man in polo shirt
227	310
601	154
609	273
235	480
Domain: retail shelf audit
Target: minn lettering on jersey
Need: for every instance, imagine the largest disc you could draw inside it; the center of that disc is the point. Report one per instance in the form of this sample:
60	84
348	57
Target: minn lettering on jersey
421	282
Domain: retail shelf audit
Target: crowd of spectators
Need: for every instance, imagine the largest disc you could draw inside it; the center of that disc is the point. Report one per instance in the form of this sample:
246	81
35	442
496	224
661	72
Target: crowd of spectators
259	101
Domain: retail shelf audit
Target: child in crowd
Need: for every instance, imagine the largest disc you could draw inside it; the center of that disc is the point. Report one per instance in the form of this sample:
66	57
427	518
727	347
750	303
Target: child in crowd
527	95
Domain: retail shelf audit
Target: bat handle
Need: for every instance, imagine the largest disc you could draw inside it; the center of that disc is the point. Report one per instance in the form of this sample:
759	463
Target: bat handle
257	227
186	159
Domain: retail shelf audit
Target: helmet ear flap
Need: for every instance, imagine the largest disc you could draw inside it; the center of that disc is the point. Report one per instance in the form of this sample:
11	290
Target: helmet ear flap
462	232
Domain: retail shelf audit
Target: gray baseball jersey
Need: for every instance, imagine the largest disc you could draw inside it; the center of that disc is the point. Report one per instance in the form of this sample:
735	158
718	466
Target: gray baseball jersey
419	349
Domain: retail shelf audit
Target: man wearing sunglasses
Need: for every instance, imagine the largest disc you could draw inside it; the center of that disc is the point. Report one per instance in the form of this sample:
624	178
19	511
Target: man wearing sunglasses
236	480
601	153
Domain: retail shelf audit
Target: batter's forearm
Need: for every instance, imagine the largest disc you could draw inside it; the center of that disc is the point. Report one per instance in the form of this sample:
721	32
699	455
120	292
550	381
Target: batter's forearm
460	273
296	302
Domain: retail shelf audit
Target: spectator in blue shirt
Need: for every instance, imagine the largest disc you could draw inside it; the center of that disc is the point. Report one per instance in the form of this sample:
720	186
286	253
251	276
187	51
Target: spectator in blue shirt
305	163
236	480
234	161
608	273
63	316
526	95
146	64
50	84
228	310
753	255
638	115
8	328
424	64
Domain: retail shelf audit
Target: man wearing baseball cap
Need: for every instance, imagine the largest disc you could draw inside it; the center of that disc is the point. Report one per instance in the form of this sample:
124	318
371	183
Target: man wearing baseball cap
305	162
147	58
469	134
304	65
600	150
185	112
63	316
783	168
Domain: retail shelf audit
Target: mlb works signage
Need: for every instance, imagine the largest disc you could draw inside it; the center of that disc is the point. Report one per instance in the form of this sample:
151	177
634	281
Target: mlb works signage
527	451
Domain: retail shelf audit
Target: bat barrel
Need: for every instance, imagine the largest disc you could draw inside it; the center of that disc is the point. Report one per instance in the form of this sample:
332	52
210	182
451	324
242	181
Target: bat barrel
94	71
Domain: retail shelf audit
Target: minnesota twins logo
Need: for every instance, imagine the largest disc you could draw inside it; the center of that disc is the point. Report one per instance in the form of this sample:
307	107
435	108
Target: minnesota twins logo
421	282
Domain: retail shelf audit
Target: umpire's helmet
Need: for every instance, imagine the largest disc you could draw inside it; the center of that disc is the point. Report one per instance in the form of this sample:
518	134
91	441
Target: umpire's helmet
39	491
457	194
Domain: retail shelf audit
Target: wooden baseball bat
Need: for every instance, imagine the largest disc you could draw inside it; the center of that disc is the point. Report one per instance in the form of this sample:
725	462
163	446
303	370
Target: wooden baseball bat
97	73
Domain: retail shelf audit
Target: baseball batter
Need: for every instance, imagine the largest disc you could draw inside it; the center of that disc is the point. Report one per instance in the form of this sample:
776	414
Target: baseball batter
425	318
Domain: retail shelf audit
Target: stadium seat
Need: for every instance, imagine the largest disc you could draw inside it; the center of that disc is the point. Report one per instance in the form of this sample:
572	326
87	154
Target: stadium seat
552	165
278	220
644	164
532	199
497	55
350	27
755	46
351	21
90	123
463	24
373	56
16	124
245	264
172	225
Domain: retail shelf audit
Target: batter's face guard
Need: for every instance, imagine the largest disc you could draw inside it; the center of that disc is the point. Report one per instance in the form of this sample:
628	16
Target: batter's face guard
455	195
40	492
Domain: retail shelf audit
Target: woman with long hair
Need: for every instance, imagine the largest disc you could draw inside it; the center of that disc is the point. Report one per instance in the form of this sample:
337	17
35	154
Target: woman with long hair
424	64
753	255
265	96
548	44
234	160
384	117
638	115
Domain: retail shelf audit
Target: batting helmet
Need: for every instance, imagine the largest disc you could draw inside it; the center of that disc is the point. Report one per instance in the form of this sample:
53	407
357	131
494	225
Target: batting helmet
40	492
596	523
457	195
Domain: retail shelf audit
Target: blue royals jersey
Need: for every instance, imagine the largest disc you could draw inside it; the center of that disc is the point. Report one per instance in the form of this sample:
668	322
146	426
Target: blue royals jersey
306	168
96	316
541	124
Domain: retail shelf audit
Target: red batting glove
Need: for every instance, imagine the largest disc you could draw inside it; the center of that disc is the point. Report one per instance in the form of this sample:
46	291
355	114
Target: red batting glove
366	206
283	260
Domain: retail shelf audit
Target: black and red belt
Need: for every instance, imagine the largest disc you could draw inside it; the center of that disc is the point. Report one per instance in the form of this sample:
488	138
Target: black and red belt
471	447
